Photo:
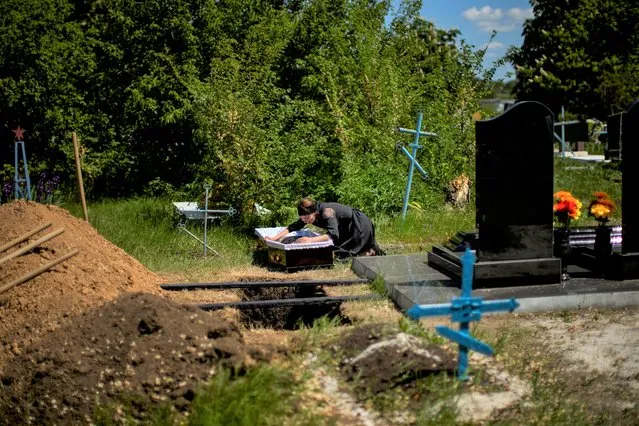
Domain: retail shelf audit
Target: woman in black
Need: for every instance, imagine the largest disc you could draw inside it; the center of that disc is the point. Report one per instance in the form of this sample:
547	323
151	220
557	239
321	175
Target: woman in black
352	232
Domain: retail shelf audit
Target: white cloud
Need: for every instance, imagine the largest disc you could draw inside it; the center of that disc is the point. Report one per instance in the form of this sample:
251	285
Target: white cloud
493	45
488	27
483	14
520	15
488	19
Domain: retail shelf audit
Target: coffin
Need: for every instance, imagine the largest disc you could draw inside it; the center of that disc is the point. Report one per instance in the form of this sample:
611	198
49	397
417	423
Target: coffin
296	256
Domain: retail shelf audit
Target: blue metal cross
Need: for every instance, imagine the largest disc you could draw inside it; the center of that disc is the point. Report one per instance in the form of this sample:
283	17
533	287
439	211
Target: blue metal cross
413	158
463	310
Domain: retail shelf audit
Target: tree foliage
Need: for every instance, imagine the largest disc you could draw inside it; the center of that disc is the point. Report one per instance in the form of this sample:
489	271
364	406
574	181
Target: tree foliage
582	54
270	100
45	62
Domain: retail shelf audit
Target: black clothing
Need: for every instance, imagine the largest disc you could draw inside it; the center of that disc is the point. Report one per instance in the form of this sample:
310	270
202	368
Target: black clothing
350	229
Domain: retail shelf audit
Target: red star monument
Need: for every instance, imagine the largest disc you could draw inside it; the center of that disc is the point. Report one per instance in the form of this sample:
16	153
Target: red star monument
19	133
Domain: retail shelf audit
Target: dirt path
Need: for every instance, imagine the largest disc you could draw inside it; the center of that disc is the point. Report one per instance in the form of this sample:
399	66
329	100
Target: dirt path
598	352
592	354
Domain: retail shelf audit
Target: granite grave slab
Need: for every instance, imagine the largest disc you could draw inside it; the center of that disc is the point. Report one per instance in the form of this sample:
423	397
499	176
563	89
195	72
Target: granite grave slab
421	284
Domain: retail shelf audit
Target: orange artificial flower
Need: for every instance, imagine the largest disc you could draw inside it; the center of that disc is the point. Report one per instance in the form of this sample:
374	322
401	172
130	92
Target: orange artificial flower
566	207
602	207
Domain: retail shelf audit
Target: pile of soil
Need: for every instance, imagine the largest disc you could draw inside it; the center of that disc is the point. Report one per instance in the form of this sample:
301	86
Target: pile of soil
139	351
99	273
376	357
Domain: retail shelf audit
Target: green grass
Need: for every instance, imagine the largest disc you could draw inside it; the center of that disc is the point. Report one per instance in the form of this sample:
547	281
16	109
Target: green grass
583	179
415	328
548	404
424	227
432	399
595	148
322	330
146	228
264	396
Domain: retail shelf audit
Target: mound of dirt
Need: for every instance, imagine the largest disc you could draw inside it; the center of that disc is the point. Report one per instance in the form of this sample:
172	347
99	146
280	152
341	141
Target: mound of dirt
377	359
99	273
139	349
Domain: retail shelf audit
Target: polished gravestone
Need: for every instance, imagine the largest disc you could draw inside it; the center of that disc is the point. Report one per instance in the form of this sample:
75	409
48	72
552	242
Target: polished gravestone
575	133
514	181
624	265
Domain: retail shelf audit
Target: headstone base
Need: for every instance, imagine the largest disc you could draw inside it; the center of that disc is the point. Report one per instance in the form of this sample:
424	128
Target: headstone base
490	274
585	257
624	266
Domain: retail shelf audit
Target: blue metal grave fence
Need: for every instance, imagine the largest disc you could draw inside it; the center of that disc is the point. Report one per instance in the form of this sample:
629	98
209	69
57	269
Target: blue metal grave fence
562	138
463	310
21	184
413	158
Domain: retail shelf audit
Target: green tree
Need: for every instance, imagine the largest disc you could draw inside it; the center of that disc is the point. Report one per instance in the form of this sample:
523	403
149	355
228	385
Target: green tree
44	60
503	90
237	106
147	54
581	54
272	100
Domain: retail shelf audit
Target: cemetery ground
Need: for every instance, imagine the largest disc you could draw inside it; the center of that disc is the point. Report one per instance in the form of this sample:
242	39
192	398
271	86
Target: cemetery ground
97	341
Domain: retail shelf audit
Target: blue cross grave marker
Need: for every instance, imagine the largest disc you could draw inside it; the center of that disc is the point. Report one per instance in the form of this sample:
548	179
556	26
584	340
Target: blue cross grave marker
413	158
463	310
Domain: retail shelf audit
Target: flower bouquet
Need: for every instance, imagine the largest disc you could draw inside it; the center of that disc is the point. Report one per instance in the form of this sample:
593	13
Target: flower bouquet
566	208
601	208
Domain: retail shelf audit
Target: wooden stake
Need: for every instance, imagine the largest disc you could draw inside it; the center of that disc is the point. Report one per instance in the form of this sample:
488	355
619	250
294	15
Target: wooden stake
38	271
78	168
21	238
31	246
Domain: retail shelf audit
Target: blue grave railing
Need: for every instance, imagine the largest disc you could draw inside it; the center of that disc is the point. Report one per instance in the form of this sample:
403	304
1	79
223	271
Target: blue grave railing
463	310
21	183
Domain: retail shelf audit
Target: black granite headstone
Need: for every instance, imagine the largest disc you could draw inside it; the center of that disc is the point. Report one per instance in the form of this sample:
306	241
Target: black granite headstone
514	181
630	181
515	184
575	132
625	265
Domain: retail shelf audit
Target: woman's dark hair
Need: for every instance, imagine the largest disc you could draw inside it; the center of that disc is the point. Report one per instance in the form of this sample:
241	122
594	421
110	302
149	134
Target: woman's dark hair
306	206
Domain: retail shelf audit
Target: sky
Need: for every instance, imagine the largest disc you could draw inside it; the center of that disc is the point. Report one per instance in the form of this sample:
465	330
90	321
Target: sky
476	19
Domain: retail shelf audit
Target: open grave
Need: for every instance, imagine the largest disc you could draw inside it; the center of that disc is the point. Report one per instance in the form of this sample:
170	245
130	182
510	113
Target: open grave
287	317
